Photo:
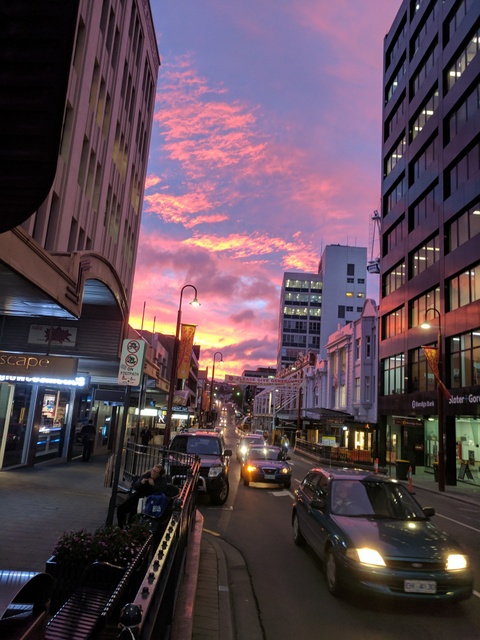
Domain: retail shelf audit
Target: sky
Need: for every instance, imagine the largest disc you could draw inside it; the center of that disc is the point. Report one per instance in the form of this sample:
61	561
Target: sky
265	148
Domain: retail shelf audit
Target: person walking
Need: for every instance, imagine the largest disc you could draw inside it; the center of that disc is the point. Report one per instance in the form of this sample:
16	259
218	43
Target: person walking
146	436
88	440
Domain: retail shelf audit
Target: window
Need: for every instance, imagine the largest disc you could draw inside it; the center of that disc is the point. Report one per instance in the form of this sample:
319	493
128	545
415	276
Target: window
461	9
368	346
341	311
396	43
465	113
359	309
368	390
349	309
392	86
463	170
426	112
423	29
424	257
395	155
356	390
395	117
427	65
395	194
394	236
350	269
465	227
393	372
423	161
424	207
349	294
418	307
350	280
420	376
393	323
393	279
464	288
465	57
361	281
464	359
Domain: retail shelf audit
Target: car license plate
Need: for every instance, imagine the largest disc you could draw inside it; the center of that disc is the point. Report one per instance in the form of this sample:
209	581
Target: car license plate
420	586
269	476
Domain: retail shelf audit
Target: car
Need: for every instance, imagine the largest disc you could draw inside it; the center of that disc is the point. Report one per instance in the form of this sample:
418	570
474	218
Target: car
245	443
209	446
374	537
266	463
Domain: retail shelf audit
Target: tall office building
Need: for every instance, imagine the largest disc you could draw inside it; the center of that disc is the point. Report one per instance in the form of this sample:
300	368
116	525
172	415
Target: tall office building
314	305
430	250
66	273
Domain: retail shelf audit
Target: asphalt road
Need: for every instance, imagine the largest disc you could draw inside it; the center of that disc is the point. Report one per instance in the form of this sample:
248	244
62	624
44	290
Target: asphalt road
288	581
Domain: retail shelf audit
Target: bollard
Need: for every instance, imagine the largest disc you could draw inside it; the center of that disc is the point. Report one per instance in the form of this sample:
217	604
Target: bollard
410	482
375	465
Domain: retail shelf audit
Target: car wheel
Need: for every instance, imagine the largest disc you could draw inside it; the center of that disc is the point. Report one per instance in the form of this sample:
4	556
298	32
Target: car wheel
288	484
246	482
297	534
331	573
221	496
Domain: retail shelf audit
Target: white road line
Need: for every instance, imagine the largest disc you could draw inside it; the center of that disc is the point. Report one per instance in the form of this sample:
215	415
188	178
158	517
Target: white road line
467	526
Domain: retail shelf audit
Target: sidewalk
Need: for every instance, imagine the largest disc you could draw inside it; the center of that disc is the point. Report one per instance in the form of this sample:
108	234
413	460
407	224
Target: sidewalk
216	601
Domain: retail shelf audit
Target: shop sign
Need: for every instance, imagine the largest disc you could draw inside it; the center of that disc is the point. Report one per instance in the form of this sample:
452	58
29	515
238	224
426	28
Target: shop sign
408	422
131	362
34	365
53	335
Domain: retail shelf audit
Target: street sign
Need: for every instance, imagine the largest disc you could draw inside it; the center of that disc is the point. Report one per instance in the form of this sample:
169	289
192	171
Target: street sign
131	362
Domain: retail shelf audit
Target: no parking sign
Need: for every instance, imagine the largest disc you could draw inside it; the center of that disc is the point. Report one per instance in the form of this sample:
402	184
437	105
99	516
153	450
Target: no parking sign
131	362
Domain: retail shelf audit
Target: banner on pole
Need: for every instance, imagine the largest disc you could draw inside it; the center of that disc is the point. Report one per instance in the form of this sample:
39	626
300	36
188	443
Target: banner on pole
432	357
185	351
263	382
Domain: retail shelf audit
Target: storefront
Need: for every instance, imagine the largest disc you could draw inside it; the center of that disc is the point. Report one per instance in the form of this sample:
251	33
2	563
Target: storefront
37	397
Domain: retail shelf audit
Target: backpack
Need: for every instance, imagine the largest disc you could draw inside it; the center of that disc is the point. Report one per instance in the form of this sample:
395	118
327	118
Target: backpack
155	505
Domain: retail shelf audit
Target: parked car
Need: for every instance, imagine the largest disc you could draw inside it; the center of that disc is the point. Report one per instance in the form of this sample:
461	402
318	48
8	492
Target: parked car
245	443
373	536
266	464
209	446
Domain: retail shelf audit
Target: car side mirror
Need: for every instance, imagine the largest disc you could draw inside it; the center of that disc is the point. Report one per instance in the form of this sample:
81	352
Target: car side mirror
227	453
319	504
429	511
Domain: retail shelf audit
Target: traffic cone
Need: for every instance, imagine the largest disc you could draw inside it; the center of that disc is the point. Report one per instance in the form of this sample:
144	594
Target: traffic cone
375	465
410	482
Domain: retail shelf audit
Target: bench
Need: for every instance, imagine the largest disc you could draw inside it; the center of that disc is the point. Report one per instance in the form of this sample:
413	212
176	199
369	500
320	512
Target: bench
103	590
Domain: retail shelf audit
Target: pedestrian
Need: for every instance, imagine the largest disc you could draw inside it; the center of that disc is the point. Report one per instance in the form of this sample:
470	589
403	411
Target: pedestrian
88	440
154	481
146	436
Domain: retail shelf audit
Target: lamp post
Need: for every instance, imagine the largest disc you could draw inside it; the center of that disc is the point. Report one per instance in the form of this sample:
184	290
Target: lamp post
212	382
173	372
441	423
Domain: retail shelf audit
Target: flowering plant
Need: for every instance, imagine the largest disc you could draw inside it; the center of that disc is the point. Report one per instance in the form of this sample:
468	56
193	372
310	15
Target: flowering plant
106	544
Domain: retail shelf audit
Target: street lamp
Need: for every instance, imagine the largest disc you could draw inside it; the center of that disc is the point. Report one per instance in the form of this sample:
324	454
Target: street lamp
173	372
441	424
212	381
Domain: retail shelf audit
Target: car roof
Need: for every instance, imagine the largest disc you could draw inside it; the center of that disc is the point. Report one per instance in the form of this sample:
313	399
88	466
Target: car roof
343	473
200	432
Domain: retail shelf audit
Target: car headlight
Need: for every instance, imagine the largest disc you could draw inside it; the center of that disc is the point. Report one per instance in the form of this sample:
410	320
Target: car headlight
456	561
250	468
215	471
366	556
285	470
243	449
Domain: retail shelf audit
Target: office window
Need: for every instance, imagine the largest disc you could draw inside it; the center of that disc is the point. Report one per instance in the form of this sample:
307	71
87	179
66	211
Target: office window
395	117
464	359
368	389
465	227
425	113
350	269
360	294
420	377
350	280
359	309
423	161
424	257
464	288
395	194
349	309
467	54
393	279
463	170
397	42
395	155
417	308
356	390
349	294
461	9
392	86
393	323
393	373
427	65
464	114
426	206
422	31
368	347
394	236
341	311
357	348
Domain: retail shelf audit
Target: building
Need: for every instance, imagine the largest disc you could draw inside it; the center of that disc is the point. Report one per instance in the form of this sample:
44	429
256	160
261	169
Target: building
66	273
430	224
305	323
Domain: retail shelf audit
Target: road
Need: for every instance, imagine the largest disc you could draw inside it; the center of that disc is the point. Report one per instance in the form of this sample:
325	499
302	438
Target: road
288	581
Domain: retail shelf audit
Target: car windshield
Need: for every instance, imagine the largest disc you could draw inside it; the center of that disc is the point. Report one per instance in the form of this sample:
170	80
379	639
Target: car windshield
376	499
251	441
197	445
265	453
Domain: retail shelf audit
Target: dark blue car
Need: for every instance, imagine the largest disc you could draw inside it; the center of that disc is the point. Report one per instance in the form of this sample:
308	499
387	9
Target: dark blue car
266	463
373	536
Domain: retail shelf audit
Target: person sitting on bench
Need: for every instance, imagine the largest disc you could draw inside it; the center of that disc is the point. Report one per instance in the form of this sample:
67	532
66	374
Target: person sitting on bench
154	481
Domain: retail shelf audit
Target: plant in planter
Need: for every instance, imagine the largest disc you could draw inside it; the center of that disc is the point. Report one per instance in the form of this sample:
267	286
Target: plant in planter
76	550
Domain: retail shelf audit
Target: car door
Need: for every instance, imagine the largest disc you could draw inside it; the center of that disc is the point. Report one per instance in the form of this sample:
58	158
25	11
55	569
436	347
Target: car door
307	492
317	517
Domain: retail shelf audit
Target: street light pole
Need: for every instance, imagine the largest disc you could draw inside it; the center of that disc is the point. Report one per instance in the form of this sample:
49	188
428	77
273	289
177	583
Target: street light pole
212	381
440	403
173	372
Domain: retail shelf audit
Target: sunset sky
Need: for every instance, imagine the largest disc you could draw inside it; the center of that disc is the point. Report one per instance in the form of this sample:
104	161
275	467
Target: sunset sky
265	148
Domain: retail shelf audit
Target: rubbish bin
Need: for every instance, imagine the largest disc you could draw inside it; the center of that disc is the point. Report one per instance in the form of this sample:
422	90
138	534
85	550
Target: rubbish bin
402	467
24	601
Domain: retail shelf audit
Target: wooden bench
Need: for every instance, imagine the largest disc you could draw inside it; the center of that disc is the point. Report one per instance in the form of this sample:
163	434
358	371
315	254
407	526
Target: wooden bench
104	589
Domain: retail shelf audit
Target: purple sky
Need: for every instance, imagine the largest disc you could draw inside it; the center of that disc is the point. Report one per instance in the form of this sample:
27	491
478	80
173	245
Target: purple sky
265	148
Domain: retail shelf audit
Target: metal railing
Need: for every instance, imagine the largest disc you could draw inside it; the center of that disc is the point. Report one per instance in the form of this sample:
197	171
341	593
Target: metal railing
338	456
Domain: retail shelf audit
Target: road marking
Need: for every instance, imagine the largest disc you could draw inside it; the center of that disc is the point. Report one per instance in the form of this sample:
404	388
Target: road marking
213	533
475	593
281	494
467	526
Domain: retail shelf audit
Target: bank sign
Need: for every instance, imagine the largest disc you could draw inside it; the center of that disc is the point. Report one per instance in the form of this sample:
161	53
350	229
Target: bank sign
131	362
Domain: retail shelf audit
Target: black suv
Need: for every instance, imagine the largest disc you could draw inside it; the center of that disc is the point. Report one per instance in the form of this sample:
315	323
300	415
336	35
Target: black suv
209	446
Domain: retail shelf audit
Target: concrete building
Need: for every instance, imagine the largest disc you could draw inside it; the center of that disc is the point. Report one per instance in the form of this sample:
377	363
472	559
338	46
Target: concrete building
430	249
313	305
66	273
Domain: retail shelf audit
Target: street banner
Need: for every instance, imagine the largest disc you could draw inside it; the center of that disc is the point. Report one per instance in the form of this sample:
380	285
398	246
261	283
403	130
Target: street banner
185	351
431	355
131	362
263	382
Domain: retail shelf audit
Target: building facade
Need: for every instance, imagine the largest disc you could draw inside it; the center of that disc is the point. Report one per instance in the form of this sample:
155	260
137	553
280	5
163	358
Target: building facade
66	273
304	322
430	250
